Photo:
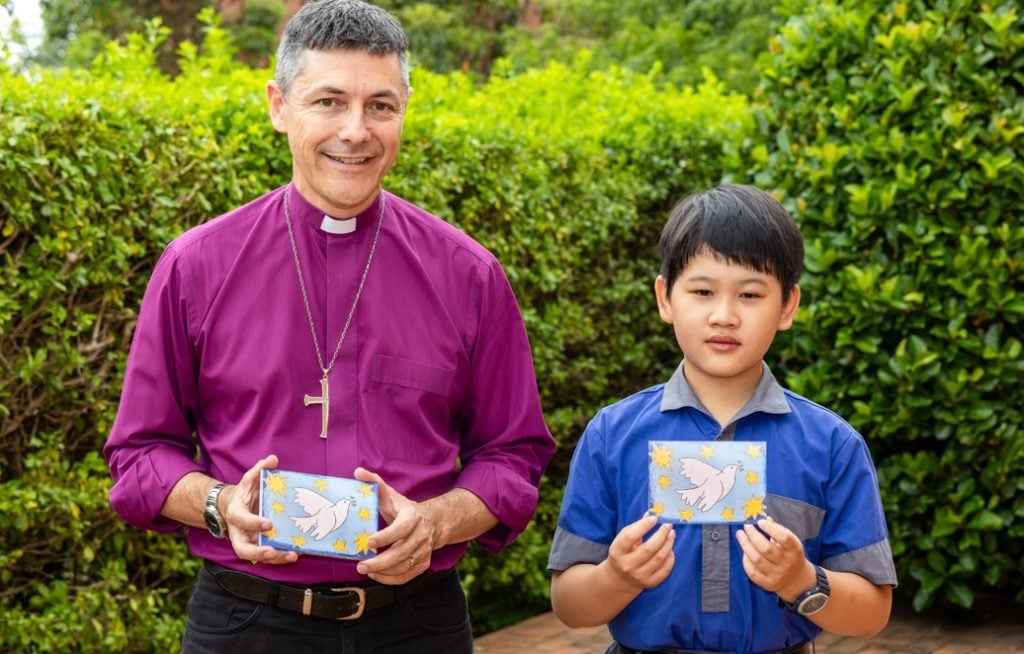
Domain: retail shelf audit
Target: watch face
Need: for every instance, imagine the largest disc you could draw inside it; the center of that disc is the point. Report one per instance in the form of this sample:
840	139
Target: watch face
813	604
213	525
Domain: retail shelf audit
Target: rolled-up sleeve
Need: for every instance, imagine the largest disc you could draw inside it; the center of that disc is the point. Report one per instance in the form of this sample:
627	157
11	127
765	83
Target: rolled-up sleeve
506	445
151	444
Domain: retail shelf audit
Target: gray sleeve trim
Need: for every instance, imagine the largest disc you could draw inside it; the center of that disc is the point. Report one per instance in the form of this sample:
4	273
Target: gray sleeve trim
568	549
873	562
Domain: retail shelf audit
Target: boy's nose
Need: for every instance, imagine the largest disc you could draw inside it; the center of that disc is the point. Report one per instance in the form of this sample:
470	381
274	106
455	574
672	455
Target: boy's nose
723	313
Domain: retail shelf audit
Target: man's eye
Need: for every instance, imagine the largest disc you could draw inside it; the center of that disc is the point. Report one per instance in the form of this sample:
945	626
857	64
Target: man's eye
381	107
327	102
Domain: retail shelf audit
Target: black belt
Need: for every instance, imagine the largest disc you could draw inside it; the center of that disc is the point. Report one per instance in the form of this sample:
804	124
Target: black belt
802	648
346	601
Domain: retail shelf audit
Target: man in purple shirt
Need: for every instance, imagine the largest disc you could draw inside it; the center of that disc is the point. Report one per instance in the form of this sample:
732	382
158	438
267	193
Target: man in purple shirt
331	328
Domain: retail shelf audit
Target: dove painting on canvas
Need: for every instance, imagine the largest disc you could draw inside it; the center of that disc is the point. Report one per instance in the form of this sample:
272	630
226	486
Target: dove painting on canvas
707	481
317	514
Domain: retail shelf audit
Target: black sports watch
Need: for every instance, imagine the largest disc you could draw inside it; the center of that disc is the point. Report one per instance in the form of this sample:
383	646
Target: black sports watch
214	521
814	599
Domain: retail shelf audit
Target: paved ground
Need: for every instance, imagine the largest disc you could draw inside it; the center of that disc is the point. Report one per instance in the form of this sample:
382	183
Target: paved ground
993	627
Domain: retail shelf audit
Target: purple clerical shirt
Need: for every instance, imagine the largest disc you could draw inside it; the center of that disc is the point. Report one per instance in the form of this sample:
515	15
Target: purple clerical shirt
433	388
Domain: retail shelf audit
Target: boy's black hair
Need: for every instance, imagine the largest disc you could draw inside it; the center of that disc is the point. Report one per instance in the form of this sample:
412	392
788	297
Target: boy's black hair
737	223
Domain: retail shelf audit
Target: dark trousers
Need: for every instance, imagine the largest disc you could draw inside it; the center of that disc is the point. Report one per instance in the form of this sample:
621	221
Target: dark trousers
435	619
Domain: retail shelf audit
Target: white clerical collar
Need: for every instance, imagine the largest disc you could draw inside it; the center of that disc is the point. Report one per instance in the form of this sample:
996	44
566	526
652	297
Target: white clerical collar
335	226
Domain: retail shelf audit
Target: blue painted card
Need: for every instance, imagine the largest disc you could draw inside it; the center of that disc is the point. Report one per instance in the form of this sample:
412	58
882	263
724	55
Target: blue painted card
317	514
707	481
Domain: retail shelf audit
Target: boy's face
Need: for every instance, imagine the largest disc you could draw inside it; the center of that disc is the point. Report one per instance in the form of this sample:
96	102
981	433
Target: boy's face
725	317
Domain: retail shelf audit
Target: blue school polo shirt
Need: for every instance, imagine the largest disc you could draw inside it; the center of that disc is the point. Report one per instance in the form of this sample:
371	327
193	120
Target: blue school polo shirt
821	484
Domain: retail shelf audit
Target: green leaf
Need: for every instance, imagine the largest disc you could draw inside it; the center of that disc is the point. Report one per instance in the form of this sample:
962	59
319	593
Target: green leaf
986	521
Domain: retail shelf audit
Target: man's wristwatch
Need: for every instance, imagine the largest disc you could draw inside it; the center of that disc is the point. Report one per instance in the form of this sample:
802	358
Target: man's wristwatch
214	521
814	599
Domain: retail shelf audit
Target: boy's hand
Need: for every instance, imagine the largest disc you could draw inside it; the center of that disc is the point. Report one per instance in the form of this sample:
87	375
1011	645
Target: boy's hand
776	563
639	564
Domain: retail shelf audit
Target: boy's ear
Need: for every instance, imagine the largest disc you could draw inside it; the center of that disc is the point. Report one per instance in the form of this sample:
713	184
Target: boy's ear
661	293
789	310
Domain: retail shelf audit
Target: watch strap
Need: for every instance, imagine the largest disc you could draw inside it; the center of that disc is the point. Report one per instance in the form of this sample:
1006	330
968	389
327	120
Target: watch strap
820	586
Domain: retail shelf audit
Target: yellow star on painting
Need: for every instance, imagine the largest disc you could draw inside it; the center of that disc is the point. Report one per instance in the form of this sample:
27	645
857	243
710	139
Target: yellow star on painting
657	508
277	507
271	533
753	507
661	457
340	545
298	541
685	515
362	543
728	514
663	481
707	451
752	477
320	484
277	483
366	490
364	513
754	451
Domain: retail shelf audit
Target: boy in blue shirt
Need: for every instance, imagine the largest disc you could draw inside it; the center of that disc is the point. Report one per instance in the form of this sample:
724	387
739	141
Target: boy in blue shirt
731	260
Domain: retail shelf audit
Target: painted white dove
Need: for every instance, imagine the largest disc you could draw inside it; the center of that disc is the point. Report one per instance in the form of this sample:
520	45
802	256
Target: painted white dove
711	484
324	515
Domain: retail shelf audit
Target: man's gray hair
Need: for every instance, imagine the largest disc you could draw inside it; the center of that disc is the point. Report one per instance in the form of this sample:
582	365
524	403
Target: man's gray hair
338	25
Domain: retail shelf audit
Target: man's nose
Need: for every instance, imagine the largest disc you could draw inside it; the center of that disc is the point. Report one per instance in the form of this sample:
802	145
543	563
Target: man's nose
353	127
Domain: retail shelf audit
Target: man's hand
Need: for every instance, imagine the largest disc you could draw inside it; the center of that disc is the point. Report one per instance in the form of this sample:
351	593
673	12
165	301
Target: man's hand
773	558
409	537
238	504
634	563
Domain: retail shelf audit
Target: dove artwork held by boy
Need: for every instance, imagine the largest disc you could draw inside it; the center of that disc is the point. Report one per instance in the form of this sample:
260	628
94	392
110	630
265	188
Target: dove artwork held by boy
712	481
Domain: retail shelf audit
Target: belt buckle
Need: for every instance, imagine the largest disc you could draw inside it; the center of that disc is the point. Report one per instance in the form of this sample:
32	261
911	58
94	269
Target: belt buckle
360	594
307	601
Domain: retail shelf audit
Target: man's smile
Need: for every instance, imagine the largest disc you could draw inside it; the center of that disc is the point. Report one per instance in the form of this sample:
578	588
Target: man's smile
347	160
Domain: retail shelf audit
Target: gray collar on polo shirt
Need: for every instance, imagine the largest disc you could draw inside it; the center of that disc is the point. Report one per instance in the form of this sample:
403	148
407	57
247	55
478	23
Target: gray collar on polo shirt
768	395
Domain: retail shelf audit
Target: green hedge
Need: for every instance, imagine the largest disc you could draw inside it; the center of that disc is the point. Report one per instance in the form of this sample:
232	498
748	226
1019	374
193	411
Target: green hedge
895	132
565	174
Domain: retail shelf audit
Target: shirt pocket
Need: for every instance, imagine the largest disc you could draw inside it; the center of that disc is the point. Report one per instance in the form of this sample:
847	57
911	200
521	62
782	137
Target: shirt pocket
801	518
411	374
416	420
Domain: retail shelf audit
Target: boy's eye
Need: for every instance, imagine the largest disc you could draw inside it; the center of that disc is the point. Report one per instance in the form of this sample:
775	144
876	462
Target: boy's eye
750	296
703	292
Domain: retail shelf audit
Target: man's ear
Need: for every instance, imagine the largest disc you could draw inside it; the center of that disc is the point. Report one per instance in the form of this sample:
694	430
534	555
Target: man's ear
789	309
275	102
661	294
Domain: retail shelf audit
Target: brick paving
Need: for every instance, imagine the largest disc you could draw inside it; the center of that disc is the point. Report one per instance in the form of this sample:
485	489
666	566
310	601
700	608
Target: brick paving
992	627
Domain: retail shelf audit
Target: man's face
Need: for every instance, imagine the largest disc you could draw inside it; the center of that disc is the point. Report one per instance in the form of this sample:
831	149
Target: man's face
343	117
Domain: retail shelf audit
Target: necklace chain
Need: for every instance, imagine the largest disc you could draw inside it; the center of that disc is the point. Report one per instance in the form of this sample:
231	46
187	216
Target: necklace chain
302	283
